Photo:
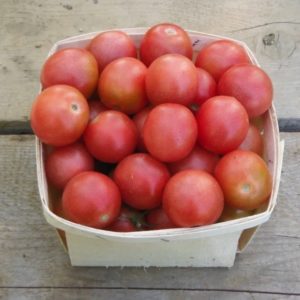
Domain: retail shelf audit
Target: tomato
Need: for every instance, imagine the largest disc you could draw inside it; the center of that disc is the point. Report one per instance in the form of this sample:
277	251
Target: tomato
244	178
65	162
141	180
219	56
250	85
172	78
73	66
230	213
170	132
122	92
165	39
111	136
198	159
193	198
59	115
253	141
96	107
139	120
222	124
207	87
91	199
158	219
111	45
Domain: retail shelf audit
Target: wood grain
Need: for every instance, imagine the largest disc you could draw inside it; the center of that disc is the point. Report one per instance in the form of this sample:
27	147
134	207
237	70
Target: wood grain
29	28
31	255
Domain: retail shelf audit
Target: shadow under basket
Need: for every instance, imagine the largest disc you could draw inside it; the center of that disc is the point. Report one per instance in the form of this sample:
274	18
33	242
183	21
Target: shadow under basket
213	245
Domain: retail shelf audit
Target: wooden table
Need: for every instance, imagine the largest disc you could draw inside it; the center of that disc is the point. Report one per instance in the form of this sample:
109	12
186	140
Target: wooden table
33	265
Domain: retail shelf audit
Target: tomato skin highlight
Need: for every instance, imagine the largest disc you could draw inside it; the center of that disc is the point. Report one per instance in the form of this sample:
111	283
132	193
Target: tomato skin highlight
245	179
193	198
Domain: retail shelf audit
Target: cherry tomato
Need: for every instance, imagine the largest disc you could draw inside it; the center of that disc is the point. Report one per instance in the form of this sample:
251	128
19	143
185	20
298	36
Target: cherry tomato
230	213
111	136
253	141
193	198
218	56
172	78
245	179
158	219
65	162
73	66
222	124
207	87
170	132
96	107
198	159
141	180
122	85
139	120
111	45
165	39
91	199
250	85
59	115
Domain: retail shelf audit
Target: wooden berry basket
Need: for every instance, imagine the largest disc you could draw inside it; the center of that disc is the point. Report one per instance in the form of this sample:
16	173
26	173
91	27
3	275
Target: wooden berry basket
213	245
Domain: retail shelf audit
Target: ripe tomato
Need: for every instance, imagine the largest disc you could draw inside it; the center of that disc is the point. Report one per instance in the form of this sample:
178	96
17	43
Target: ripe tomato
222	124
207	87
141	180
158	219
253	141
139	120
198	159
219	56
170	132
165	39
111	136
65	162
244	178
91	199
172	78
230	213
59	115
250	85
96	107
193	198
73	66
111	45
122	85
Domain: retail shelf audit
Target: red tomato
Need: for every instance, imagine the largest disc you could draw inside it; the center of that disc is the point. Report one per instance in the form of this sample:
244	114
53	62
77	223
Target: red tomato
141	180
222	124
139	120
170	132
253	141
219	56
65	162
73	66
165	39
122	85
198	159
172	78
244	178
158	219
59	115
111	136
125	221
230	213
96	107
250	85
91	199
207	87
111	45
193	198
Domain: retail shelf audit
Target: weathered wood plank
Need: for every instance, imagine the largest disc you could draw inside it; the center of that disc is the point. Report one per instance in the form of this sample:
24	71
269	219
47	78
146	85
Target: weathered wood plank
31	254
135	294
29	28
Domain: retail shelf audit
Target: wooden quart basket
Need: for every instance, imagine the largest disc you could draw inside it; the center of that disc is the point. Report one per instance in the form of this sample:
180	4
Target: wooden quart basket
207	246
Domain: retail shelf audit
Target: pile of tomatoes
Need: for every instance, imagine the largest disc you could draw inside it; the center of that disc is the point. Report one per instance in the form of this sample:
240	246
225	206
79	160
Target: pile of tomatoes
144	138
